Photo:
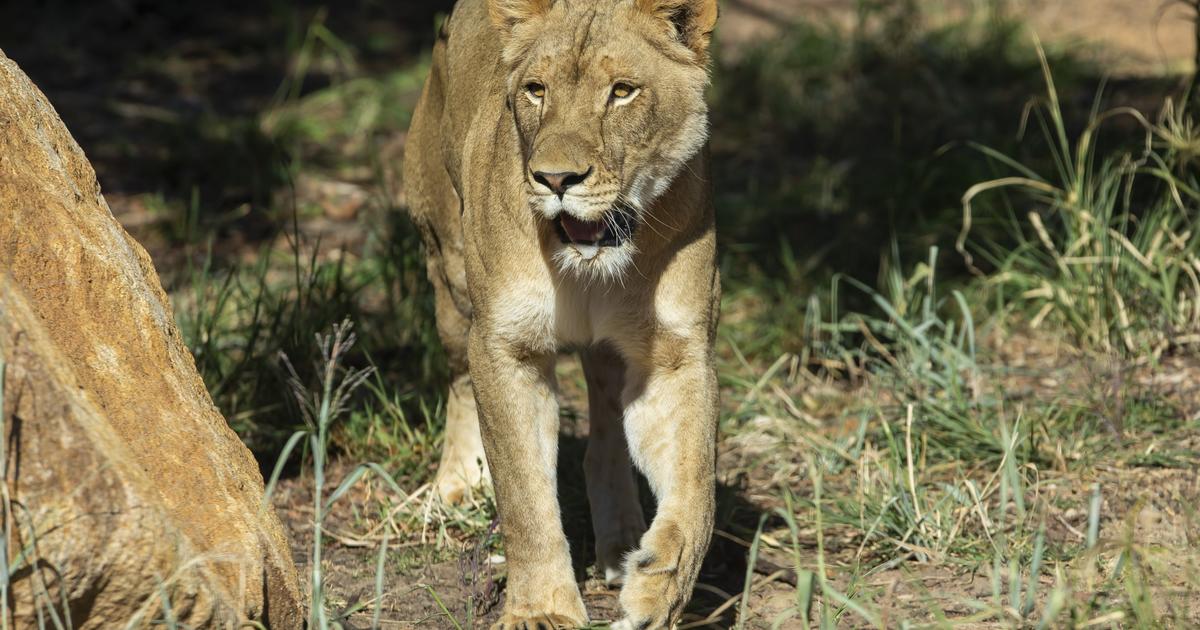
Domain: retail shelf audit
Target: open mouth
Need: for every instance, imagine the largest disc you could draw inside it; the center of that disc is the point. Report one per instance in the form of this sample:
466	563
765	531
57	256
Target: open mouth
612	230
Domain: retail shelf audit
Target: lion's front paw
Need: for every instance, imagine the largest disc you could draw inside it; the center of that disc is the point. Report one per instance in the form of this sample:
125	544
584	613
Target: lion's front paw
658	580
536	622
542	597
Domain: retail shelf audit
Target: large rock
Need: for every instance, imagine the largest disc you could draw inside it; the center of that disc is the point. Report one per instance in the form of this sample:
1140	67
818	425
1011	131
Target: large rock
124	486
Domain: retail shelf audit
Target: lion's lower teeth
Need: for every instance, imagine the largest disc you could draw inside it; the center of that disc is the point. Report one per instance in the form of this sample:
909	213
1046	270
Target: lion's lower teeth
587	251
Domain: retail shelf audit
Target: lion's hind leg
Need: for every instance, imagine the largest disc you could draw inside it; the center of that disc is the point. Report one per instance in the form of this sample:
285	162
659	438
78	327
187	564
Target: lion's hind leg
617	518
463	467
435	207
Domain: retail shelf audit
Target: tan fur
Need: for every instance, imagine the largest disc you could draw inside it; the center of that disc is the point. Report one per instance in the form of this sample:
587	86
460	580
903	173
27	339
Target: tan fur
510	294
507	13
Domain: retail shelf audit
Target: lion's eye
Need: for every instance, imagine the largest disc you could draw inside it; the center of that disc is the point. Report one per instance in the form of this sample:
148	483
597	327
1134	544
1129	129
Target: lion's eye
535	90
621	91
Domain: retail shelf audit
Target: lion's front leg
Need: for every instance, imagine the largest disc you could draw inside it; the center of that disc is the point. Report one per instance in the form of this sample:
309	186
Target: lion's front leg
518	417
671	427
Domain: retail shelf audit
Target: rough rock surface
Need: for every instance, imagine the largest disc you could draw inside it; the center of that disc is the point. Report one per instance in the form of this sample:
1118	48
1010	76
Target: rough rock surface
124	483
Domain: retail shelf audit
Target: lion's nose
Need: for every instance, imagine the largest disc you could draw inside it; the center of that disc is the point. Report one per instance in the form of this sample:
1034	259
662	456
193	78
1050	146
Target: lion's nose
560	182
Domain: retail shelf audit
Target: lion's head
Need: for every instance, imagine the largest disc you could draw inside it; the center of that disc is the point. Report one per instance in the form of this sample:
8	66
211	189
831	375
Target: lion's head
608	97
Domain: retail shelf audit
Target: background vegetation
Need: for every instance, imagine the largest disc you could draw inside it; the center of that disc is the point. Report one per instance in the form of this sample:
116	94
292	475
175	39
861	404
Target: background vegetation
958	340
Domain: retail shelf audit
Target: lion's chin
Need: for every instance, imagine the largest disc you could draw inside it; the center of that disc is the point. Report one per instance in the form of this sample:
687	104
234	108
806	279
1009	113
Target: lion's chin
593	261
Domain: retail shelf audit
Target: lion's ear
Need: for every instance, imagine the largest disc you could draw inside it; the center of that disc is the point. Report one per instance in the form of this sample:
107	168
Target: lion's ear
692	20
506	14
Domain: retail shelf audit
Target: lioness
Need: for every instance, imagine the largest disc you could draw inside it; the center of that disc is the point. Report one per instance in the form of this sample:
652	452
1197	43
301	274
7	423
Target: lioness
556	167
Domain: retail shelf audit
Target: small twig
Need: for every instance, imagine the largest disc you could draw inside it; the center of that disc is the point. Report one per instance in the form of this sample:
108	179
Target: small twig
1071	528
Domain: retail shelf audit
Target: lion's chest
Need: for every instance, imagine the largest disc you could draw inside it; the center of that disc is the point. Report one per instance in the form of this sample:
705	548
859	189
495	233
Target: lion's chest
587	315
543	317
